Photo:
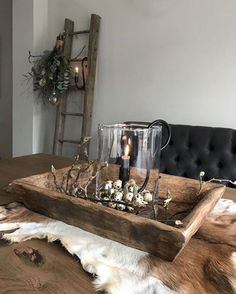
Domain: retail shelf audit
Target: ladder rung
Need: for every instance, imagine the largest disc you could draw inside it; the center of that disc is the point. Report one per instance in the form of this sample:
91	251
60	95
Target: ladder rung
76	59
73	113
80	32
69	141
80	89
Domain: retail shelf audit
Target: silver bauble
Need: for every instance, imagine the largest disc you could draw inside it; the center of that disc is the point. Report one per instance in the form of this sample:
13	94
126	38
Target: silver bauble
53	99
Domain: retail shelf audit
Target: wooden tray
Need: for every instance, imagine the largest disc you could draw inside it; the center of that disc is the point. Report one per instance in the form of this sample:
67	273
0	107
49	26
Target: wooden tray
152	236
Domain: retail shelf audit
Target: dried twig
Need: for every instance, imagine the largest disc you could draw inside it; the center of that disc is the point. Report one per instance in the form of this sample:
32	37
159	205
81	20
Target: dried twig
201	185
33	56
53	171
92	177
69	172
166	203
80	171
107	201
167	200
202	174
78	55
76	186
222	181
83	147
181	212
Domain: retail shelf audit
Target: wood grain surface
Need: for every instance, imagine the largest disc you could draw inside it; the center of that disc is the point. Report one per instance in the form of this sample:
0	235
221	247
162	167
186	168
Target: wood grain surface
20	276
60	273
24	166
56	272
135	231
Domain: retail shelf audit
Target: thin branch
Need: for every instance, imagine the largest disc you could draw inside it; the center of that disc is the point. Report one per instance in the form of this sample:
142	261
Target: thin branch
33	56
201	185
85	188
107	201
222	181
80	171
53	171
70	170
78	55
181	212
77	180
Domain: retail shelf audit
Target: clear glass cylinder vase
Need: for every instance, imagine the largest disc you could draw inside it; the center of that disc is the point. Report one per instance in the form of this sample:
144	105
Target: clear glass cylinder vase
130	157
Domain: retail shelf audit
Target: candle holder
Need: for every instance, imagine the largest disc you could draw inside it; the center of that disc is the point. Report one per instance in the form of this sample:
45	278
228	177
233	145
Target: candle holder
132	151
84	73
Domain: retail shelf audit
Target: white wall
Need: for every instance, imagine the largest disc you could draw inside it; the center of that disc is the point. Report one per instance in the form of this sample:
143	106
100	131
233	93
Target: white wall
171	59
23	102
43	114
31	131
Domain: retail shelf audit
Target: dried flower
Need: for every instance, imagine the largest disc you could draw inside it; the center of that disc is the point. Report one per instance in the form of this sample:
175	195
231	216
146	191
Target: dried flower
202	174
42	82
178	223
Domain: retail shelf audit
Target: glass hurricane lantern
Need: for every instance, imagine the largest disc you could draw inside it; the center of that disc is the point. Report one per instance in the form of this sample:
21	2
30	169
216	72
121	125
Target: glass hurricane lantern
130	180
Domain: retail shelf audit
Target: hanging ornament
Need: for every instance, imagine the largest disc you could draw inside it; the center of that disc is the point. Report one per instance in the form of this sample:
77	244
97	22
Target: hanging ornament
53	99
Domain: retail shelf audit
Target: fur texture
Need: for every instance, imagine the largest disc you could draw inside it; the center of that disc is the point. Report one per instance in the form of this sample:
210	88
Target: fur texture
203	267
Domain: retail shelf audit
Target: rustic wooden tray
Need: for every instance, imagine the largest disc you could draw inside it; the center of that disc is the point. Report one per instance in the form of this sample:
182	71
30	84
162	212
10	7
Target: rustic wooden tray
152	236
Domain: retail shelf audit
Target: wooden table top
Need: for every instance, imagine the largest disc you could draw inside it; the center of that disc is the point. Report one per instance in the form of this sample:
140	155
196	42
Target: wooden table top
60	272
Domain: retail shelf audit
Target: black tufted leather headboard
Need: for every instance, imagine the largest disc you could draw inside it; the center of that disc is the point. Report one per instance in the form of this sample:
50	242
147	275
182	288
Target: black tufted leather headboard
193	149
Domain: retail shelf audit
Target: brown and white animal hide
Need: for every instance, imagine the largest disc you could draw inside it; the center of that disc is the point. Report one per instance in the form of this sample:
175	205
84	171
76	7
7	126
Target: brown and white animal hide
207	264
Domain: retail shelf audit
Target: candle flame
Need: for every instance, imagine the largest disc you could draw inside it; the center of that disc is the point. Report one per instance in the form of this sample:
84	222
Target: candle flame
76	69
127	149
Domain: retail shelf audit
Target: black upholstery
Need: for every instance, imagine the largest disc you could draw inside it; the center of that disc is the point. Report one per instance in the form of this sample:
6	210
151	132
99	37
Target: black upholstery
193	149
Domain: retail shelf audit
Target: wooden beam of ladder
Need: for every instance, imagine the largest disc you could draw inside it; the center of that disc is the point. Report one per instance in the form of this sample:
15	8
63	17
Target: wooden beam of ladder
61	108
89	87
80	32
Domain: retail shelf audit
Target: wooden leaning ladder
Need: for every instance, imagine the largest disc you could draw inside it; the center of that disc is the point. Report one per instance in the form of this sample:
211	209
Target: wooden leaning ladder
88	96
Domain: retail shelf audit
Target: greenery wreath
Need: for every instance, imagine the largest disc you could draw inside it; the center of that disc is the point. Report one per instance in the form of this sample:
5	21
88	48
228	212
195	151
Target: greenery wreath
51	72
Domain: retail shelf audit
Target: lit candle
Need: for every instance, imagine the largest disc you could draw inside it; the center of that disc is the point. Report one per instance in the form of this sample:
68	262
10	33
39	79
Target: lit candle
76	78
125	164
76	70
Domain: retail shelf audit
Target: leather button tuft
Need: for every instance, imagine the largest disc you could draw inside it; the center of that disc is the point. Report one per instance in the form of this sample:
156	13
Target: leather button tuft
190	145
211	148
198	162
220	164
177	159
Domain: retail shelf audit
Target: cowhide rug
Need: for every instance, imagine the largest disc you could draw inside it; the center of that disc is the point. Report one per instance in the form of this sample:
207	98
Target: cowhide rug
207	264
